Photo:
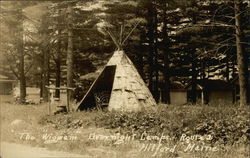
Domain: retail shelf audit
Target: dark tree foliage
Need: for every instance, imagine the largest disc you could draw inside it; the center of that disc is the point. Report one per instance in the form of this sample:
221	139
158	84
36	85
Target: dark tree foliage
173	41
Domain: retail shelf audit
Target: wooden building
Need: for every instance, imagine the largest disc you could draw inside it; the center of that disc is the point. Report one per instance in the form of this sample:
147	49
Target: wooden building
178	94
6	88
6	85
214	92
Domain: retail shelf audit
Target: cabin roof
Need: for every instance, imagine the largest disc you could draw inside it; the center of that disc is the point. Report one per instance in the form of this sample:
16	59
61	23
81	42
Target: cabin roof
90	76
235	80
211	85
6	79
177	86
3	77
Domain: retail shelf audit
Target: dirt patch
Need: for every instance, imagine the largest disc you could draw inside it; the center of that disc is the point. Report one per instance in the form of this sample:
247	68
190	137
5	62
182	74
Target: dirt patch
12	150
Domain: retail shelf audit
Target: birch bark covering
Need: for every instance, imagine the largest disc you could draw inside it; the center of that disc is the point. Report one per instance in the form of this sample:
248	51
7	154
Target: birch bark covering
129	92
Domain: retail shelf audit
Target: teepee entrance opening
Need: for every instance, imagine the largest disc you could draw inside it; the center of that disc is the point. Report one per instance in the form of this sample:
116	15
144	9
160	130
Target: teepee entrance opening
99	93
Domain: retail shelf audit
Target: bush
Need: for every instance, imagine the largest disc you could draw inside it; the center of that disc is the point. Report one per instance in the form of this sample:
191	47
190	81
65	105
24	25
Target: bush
227	125
69	121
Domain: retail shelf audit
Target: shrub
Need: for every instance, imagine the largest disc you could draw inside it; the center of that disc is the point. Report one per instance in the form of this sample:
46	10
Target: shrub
228	125
69	121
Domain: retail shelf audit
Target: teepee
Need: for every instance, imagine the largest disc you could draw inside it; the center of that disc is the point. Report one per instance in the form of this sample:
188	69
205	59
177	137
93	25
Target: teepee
118	87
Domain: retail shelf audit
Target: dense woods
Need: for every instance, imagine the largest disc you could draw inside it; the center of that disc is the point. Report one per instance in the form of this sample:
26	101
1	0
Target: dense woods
54	42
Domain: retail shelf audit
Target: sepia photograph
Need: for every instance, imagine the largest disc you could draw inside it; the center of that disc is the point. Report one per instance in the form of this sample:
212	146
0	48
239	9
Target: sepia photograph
125	78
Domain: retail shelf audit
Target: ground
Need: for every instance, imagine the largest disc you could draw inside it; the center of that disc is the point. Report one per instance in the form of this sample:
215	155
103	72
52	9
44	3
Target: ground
11	150
29	128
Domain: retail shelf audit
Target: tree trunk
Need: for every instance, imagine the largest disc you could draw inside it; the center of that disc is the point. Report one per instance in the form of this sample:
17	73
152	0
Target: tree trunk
156	73
41	85
194	72
22	77
203	69
45	70
20	50
166	87
70	54
58	67
58	78
151	46
140	59
227	71
241	55
193	83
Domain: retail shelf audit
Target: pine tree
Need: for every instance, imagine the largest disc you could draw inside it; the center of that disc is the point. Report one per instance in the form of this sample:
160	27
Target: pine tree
242	58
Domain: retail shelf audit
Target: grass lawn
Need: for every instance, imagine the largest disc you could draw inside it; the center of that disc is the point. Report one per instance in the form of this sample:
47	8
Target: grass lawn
170	131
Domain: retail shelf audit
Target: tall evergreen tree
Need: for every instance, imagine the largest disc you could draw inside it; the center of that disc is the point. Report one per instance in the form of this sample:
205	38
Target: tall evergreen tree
242	58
